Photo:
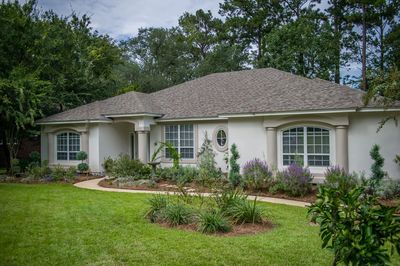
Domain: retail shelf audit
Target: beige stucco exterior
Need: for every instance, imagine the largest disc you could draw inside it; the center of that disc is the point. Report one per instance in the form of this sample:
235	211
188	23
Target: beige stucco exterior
351	137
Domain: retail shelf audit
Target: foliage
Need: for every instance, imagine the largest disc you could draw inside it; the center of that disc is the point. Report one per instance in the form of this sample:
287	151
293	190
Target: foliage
389	189
108	165
34	158
83	167
336	177
125	167
177	214
355	226
228	197
81	156
180	175
58	173
14	166
377	173
206	162
39	172
158	204
256	174
397	159
70	174
173	152
296	180
244	211
212	221
234	168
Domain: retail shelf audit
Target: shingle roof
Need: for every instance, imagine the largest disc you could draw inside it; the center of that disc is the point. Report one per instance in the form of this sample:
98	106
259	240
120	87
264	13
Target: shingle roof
240	92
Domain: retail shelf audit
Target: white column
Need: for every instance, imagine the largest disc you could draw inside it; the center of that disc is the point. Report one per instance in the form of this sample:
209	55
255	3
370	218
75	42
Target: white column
342	147
84	142
143	146
272	147
51	146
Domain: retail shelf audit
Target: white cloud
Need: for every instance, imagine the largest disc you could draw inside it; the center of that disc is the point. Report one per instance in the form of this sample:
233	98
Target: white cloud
123	18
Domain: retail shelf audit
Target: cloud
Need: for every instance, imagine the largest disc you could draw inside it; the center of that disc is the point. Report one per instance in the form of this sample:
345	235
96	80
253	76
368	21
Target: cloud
122	18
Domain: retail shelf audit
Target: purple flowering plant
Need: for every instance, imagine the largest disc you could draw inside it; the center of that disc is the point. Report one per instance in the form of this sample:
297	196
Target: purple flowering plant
256	174
296	180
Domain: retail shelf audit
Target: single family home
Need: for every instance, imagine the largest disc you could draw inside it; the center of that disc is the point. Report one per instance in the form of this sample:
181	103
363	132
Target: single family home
269	114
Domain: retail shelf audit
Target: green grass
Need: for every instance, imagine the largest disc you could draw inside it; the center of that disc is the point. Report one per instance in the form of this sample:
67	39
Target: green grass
64	225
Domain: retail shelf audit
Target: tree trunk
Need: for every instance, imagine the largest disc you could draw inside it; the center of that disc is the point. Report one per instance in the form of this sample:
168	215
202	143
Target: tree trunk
337	51
364	85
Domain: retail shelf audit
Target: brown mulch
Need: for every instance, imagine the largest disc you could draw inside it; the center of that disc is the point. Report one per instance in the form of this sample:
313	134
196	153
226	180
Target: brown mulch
237	229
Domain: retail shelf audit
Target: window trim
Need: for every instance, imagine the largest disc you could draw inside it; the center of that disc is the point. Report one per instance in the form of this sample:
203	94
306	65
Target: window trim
215	136
314	169
55	146
187	160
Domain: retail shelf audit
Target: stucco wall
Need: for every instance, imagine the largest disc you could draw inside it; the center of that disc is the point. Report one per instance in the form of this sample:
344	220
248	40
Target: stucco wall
249	135
114	140
93	154
362	135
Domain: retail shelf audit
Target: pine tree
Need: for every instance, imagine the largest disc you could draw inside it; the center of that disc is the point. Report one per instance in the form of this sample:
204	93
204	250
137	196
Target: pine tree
376	168
207	164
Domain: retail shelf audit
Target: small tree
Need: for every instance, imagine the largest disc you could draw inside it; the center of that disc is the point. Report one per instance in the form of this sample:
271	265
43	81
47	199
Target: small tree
377	172
207	164
83	166
234	167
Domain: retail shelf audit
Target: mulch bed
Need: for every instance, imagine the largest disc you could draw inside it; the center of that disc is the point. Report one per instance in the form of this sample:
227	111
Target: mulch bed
237	230
193	187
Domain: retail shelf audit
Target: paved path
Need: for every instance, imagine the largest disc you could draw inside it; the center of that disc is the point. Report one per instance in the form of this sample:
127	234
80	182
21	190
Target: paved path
94	184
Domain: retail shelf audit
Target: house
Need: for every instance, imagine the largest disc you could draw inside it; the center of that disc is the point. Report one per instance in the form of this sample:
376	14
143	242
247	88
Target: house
269	114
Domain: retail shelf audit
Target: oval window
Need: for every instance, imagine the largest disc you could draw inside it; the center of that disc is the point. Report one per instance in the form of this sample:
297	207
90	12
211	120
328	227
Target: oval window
221	138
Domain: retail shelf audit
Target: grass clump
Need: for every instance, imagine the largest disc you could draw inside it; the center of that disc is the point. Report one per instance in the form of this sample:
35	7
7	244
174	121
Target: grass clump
212	221
244	211
177	214
158	204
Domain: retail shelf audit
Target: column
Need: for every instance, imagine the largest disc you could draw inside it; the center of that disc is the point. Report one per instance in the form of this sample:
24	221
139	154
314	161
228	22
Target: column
342	147
272	152
84	142
142	145
51	147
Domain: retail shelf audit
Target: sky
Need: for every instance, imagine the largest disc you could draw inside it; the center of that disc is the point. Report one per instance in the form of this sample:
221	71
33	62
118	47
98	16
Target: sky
121	19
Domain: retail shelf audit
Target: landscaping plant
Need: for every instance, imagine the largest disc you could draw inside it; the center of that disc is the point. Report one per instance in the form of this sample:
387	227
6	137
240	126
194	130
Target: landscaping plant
177	214
389	189
212	221
257	175
244	211
126	168
377	173
296	180
108	165
355	226
58	173
336	177
83	167
158	204
234	167
206	163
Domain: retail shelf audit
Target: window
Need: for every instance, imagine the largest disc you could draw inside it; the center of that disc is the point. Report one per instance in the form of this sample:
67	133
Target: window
68	145
182	137
306	144
221	138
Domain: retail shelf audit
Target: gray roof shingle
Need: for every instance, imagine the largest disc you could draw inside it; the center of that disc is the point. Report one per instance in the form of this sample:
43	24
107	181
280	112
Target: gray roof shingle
240	92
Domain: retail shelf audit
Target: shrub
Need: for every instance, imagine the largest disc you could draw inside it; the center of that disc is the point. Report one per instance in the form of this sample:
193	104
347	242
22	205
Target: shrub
158	204
34	158
108	165
177	213
180	175
207	166
355	226
256	174
58	172
244	211
39	172
81	156
337	177
125	167
212	221
377	172
234	168
228	198
296	180
70	174
389	189
14	166
83	167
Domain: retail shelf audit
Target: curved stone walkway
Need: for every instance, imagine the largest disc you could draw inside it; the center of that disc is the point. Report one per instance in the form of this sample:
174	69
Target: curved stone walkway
94	185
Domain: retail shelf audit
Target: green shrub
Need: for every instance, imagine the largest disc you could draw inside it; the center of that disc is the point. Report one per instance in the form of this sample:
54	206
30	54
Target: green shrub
377	173
257	175
177	214
58	173
244	211
108	165
70	174
158	204
212	221
228	198
180	175
336	177
296	180
34	158
234	168
81	156
125	167
83	167
14	167
39	172
389	189
206	163
355	226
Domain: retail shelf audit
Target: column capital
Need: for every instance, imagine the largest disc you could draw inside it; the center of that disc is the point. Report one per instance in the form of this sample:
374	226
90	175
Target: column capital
270	128
342	127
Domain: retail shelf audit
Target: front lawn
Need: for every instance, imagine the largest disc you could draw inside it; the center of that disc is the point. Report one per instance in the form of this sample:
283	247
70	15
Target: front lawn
60	224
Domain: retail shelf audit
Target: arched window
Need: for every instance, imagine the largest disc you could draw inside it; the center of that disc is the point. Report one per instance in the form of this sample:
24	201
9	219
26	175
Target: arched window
68	145
306	146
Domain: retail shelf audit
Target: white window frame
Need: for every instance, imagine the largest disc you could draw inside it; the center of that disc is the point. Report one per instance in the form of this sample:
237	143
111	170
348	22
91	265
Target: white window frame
68	147
179	147
215	138
313	169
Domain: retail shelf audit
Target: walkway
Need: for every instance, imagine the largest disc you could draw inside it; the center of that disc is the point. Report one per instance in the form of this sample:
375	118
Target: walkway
94	185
